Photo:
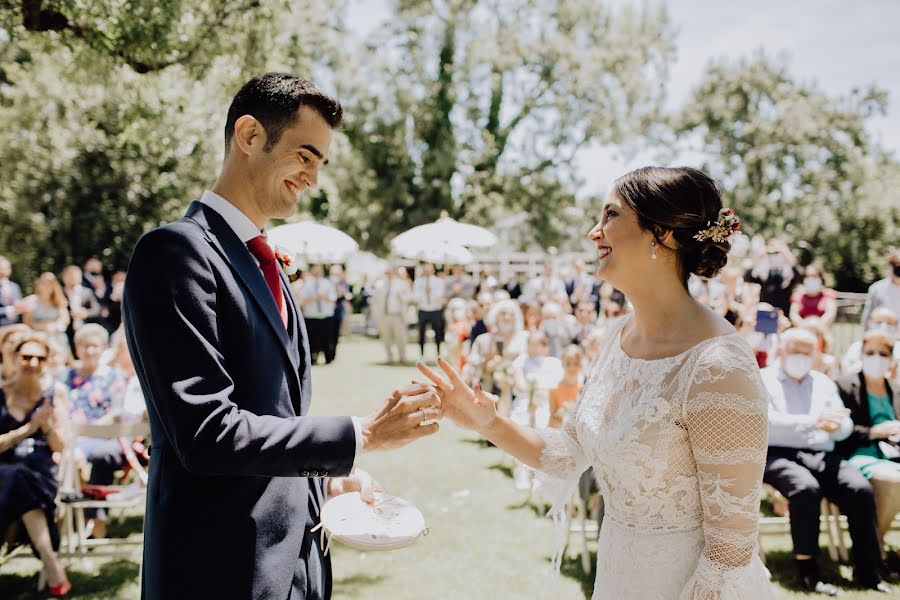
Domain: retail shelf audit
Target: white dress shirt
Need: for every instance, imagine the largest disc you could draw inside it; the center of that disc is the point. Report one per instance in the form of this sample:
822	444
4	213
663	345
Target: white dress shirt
319	309
246	230
795	407
428	292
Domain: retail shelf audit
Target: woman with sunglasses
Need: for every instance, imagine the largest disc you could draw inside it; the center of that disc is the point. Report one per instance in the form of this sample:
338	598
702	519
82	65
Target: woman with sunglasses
33	425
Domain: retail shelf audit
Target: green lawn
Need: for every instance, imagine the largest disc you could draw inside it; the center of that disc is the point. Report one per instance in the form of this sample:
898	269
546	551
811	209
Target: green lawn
484	540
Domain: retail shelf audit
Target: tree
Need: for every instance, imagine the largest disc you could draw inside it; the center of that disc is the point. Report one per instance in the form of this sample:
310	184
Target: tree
93	153
479	107
798	163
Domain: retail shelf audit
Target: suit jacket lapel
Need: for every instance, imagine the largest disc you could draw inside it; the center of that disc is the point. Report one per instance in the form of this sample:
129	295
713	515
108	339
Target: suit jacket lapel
241	261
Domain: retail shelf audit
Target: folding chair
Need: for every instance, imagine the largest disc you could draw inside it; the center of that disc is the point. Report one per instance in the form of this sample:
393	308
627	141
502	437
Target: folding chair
74	533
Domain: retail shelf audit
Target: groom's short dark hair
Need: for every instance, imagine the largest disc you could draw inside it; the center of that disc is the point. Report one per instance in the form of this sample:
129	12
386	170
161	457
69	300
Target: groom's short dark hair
273	99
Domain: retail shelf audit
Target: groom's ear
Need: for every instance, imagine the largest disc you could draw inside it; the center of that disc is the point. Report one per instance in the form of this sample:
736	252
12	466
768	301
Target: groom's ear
248	134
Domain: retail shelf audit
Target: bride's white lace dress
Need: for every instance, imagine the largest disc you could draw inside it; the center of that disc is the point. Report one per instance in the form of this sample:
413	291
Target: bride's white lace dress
678	447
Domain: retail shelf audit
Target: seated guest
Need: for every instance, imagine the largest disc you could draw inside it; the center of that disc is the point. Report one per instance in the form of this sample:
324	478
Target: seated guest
10	336
882	319
492	354
563	396
97	393
50	309
871	445
33	425
825	362
478	309
813	299
585	320
806	418
458	328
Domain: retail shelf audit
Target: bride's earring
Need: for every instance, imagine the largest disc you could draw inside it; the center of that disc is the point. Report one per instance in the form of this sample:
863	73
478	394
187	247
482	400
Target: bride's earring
653	249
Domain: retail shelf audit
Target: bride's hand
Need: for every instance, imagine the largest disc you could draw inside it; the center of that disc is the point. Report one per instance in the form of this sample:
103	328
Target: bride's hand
472	409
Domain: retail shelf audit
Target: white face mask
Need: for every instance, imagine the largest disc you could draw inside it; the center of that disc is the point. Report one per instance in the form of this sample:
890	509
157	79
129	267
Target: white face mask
875	366
812	284
889	329
797	365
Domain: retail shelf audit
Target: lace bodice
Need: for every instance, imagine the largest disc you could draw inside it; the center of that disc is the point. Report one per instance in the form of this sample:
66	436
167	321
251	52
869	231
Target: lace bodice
676	444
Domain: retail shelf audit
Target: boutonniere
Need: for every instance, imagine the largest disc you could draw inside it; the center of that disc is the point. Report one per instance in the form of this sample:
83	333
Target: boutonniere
288	263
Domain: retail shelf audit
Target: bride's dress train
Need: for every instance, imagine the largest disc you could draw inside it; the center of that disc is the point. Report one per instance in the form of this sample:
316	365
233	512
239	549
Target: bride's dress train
678	447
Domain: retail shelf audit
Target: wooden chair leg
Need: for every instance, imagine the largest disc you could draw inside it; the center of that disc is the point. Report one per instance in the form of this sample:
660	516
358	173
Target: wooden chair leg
841	542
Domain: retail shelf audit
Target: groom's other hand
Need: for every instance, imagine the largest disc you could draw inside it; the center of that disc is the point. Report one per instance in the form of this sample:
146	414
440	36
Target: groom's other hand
358	481
399	420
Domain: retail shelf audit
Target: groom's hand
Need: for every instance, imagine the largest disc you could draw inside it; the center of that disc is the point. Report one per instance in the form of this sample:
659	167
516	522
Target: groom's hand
399	420
358	481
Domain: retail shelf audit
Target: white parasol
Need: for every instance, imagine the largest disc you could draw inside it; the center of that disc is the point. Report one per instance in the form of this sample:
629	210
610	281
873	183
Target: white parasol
314	242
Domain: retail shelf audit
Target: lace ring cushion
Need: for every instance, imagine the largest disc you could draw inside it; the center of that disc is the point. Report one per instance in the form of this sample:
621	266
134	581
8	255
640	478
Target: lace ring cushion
676	442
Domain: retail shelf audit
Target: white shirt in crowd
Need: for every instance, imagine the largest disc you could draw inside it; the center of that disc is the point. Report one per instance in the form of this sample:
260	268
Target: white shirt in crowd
429	292
795	407
246	230
320	309
546	287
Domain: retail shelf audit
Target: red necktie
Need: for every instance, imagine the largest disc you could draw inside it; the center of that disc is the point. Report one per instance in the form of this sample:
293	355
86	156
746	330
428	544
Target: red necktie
268	265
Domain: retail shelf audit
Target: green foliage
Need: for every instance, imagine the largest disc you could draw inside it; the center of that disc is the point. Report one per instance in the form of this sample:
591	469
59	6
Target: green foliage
479	107
799	164
113	114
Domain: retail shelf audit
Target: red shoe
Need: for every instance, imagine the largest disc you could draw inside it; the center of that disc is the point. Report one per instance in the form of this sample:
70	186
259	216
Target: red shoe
60	590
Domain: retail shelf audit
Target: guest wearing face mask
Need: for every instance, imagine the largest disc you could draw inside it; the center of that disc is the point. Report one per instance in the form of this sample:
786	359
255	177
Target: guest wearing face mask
806	418
492	353
813	299
885	320
556	326
872	446
885	292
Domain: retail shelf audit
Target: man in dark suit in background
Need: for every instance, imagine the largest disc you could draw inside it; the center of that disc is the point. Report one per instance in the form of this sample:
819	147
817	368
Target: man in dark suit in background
11	305
237	473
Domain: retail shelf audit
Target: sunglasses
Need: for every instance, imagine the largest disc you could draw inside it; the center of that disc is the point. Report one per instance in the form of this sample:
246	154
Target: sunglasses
27	358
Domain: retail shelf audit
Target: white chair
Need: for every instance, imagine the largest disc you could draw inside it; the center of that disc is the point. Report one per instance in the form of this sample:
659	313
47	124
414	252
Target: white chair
72	521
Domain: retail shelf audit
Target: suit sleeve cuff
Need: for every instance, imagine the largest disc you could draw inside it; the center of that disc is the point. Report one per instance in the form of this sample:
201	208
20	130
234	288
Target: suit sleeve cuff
358	430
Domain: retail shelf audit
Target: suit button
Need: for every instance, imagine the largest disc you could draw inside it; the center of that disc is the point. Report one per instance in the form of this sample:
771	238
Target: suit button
323	473
305	474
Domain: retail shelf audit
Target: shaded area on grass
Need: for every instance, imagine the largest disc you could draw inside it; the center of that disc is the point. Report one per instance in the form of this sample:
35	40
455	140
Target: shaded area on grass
107	581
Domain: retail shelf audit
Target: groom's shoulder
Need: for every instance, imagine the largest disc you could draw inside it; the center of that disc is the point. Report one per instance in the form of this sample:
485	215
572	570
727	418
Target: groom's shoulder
172	240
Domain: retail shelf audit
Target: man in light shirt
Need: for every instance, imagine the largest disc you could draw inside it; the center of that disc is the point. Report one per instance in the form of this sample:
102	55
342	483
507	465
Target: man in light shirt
429	294
806	418
317	300
390	301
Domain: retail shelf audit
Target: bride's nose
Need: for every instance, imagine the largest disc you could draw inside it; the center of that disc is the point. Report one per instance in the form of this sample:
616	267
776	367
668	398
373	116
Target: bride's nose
596	233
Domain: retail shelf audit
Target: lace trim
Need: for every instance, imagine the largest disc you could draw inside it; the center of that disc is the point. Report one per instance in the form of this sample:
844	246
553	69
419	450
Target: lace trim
722	504
739	403
729	456
714	581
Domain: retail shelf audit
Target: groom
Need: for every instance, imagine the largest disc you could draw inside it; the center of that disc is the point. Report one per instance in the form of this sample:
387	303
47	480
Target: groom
238	471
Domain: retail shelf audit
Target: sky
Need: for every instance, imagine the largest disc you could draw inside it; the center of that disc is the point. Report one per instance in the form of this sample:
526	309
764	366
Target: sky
837	45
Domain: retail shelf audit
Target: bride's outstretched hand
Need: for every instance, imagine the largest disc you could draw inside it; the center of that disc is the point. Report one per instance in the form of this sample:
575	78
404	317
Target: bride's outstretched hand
472	409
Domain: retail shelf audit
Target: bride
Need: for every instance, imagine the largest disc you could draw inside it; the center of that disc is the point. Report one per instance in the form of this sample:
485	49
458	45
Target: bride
673	414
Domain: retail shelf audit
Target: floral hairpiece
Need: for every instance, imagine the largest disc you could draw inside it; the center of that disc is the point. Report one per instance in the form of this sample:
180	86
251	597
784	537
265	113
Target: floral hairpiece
727	224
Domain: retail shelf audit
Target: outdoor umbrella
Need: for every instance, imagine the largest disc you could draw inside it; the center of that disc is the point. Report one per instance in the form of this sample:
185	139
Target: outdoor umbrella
313	242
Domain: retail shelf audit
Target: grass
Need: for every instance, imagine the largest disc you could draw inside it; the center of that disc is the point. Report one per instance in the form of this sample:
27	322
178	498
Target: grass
485	540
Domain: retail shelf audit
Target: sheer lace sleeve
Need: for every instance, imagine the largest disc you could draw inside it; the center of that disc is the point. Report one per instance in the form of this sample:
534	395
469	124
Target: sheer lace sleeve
562	462
725	414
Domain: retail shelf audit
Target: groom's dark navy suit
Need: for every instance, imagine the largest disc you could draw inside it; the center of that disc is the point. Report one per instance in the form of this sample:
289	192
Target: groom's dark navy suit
236	467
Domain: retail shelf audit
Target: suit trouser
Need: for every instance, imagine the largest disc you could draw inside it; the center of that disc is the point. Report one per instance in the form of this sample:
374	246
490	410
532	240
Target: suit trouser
804	477
321	334
393	334
435	318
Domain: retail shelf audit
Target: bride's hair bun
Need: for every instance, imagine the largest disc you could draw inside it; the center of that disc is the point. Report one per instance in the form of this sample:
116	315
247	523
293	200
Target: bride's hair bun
711	258
684	201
